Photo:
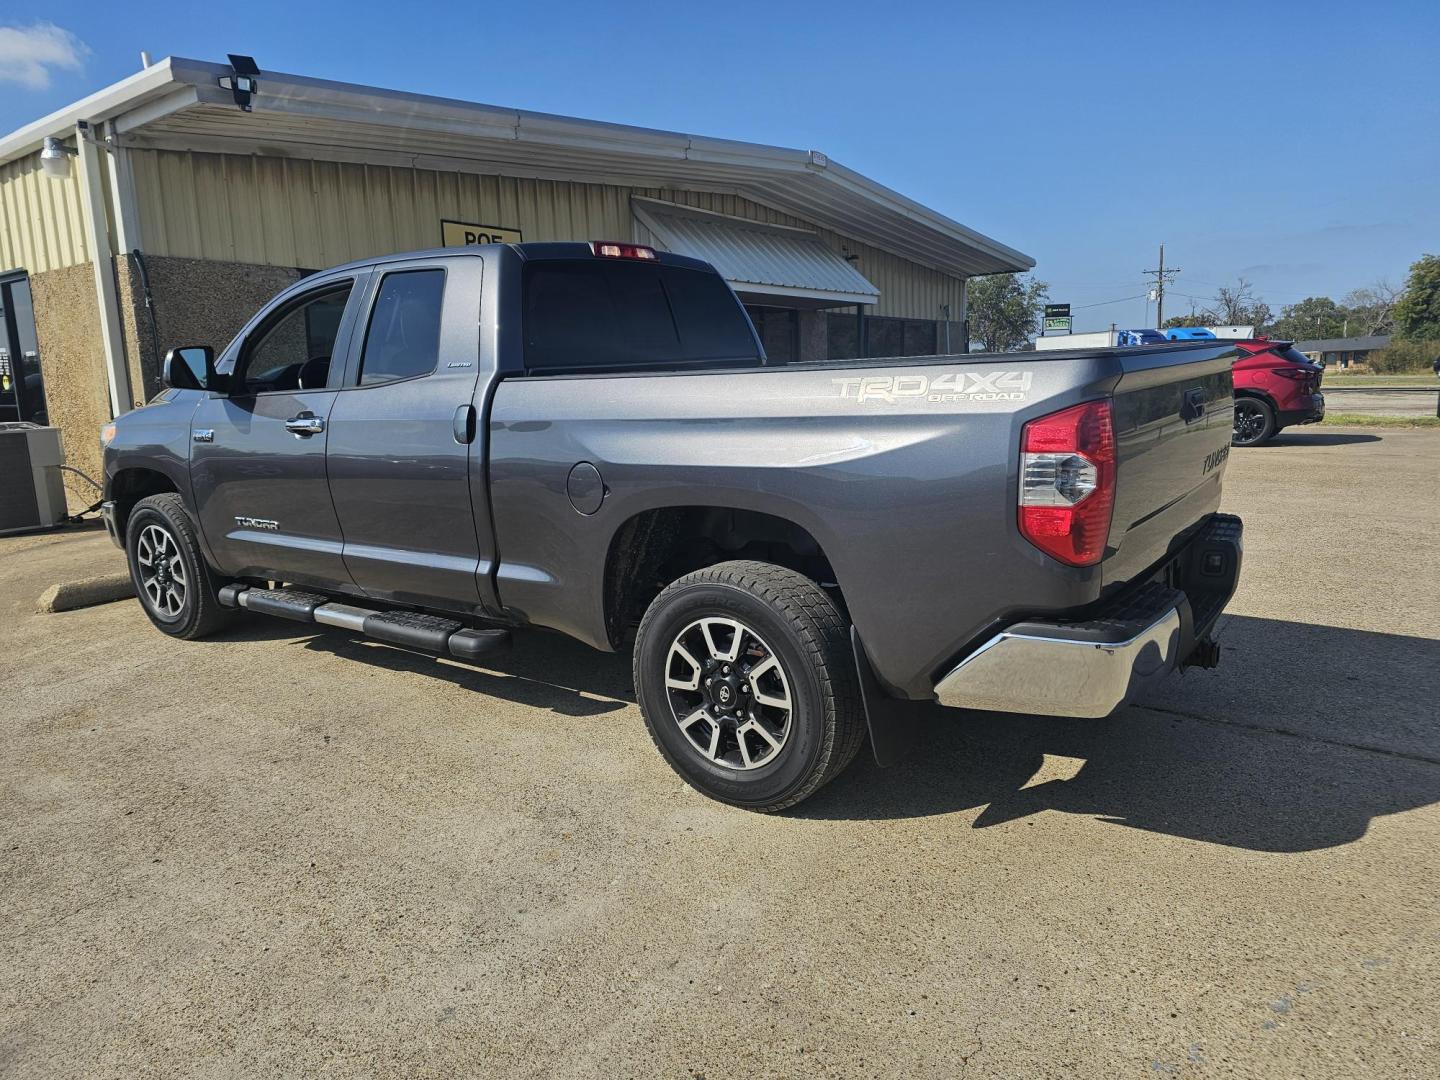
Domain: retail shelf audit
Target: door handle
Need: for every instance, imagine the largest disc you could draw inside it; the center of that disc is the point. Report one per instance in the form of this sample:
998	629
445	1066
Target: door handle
305	425
463	425
1193	407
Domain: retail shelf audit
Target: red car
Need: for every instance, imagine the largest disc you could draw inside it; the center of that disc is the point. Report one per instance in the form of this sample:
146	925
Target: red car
1276	386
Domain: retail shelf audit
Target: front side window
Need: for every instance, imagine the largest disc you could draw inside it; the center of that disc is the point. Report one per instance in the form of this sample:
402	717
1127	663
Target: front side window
292	349
403	339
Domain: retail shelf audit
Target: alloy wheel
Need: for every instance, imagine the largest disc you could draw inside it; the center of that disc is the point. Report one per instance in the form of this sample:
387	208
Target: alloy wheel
1249	422
162	572
729	693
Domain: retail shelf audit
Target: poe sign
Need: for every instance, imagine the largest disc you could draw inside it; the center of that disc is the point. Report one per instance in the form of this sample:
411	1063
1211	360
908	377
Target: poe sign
461	233
1057	317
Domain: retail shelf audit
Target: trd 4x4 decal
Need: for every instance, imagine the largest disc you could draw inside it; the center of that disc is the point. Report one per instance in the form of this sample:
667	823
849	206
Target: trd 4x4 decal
948	386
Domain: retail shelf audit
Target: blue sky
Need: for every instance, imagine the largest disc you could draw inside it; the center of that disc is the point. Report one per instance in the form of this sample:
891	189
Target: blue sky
1296	144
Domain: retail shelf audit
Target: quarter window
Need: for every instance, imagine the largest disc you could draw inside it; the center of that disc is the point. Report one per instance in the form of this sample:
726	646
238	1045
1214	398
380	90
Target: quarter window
403	340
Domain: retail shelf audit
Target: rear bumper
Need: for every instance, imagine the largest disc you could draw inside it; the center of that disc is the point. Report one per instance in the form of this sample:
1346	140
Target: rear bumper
1092	667
1305	410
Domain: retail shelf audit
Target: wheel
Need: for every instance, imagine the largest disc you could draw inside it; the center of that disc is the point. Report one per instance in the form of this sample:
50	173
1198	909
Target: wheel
747	683
1254	422
174	585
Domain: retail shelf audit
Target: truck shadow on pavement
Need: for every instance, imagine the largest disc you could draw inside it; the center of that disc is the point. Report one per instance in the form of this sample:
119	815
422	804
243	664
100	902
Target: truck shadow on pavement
1302	736
526	675
1316	438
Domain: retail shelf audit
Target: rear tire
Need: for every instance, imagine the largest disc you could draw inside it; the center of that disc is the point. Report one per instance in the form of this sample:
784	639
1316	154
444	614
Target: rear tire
172	581
1254	422
774	712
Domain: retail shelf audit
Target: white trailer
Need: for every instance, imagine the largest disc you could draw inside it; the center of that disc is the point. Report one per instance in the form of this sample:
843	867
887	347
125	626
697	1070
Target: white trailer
1097	339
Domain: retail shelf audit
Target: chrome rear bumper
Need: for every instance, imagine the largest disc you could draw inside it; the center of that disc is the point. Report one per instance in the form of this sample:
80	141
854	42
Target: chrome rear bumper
1092	666
1032	672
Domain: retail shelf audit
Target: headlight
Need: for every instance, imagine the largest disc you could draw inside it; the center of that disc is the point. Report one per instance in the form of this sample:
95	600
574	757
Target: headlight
107	433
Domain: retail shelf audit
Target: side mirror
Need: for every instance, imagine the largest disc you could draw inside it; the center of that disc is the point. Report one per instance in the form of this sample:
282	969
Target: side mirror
190	367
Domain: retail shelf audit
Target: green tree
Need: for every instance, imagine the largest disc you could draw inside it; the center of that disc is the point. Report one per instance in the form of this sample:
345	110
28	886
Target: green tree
1005	309
1417	312
1311	319
1200	318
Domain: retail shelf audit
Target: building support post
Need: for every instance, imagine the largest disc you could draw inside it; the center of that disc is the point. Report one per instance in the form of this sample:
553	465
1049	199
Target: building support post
97	240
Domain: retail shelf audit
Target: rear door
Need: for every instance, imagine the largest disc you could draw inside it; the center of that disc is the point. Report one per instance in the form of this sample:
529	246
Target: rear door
257	454
401	432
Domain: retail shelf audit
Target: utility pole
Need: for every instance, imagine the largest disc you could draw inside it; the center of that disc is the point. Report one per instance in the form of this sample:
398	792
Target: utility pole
1162	278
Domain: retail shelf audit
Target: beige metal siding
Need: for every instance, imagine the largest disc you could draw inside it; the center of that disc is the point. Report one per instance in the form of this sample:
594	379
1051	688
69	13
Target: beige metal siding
41	227
313	214
289	212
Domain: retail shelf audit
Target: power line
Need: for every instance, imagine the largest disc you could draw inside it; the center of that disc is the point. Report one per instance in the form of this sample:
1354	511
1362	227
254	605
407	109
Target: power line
1105	303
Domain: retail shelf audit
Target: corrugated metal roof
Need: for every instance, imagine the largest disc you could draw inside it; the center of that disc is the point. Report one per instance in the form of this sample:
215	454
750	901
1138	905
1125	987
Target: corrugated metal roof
754	257
178	104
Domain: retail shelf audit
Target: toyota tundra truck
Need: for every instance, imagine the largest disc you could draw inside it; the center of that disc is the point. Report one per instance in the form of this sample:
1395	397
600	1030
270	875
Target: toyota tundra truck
435	449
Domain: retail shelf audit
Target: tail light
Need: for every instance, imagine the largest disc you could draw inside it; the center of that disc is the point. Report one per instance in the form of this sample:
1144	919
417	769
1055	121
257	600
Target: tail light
614	250
1299	374
1067	482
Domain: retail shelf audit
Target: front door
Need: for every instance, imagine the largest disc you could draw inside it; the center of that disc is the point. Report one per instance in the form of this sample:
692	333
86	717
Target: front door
257	454
401	434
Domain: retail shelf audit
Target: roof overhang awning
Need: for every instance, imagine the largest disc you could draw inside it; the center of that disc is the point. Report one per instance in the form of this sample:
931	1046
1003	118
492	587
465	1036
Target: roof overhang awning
754	257
180	104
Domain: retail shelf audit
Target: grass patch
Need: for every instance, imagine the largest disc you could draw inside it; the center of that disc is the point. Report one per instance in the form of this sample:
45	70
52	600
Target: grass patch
1360	420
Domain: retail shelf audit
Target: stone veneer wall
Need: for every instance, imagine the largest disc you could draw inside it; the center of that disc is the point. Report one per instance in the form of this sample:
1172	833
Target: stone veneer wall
196	302
72	361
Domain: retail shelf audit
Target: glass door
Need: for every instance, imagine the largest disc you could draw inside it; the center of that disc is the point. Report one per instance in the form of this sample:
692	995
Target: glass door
22	386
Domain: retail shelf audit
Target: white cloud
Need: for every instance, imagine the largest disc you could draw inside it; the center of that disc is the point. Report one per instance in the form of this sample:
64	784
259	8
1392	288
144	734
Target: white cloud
28	53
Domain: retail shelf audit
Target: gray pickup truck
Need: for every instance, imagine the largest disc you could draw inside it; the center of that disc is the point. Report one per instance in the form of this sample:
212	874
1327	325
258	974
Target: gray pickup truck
432	449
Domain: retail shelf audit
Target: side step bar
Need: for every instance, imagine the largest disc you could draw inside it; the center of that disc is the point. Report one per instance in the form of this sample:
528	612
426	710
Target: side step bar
413	629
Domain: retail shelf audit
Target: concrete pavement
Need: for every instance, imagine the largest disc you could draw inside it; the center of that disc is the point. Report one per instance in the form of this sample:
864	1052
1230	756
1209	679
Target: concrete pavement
290	853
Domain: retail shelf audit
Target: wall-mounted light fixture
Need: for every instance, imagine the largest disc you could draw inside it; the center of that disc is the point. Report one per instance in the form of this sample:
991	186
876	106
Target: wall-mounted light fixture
55	158
243	84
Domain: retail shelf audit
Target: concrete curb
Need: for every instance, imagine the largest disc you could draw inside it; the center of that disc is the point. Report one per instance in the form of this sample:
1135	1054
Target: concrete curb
68	595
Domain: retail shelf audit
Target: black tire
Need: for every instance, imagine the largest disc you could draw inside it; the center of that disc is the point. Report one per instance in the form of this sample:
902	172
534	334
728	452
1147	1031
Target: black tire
788	617
1254	422
197	613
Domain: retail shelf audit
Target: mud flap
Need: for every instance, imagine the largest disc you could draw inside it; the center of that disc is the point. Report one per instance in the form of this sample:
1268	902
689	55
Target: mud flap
894	723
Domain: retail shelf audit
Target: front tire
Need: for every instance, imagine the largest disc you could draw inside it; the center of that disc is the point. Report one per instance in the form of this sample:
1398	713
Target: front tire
1254	422
747	683
172	581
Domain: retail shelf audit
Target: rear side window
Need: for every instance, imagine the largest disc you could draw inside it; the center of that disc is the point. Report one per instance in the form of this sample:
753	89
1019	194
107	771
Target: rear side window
403	339
597	314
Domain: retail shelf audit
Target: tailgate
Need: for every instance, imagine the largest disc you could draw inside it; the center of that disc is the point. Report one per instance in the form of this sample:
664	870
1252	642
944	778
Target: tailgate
1172	410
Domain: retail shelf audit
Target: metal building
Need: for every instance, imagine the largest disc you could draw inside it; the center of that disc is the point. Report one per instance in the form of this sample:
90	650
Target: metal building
166	208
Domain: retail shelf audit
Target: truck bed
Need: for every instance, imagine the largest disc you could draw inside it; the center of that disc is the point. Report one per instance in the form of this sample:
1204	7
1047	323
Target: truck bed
904	471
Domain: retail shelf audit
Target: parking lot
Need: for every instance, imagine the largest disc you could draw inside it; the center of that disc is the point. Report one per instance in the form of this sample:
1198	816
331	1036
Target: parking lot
300	853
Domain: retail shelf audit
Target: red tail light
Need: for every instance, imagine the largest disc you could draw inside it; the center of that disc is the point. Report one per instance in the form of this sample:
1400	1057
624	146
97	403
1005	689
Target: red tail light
613	250
1067	482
